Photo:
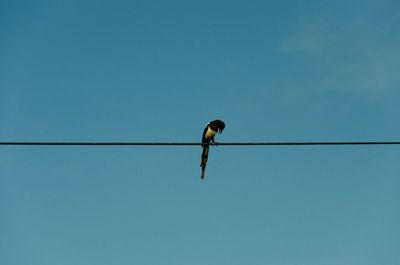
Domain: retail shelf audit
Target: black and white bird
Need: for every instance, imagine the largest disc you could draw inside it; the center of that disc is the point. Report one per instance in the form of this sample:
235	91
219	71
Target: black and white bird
211	129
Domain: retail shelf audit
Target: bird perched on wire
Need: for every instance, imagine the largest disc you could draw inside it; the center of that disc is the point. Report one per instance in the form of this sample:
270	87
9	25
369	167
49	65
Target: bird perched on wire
211	129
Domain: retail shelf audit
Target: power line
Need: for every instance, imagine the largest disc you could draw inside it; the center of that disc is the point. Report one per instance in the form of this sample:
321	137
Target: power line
199	144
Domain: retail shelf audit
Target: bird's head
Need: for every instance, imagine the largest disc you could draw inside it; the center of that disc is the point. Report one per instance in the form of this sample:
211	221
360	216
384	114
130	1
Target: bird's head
220	125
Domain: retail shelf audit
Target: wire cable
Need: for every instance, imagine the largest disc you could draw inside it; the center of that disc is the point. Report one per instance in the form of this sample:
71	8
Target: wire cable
314	143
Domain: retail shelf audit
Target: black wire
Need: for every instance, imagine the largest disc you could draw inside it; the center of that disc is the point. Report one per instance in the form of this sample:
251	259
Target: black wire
194	144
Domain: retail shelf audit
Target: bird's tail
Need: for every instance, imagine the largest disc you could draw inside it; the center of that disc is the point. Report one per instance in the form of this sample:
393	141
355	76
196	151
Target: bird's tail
204	157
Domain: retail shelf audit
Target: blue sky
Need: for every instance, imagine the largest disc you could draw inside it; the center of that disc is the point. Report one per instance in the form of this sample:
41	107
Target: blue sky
141	71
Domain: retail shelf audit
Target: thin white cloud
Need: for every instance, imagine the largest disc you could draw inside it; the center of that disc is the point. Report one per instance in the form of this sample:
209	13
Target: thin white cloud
354	56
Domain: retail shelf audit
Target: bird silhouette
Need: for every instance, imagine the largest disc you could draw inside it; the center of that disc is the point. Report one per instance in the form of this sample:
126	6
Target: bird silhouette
211	129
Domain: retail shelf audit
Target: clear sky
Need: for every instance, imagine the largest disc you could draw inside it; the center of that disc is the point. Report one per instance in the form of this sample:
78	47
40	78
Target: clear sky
160	70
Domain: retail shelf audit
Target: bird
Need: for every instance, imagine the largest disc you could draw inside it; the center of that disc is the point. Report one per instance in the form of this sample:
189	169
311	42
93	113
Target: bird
211	129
